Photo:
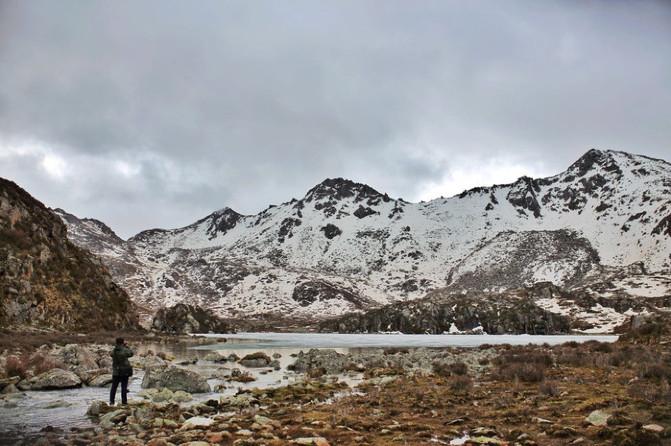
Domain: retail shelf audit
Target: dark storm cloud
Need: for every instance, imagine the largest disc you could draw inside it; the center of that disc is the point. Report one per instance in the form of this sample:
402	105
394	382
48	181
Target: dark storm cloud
154	113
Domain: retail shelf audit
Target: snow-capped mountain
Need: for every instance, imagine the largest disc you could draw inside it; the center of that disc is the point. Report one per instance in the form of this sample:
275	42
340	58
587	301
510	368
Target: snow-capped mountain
347	247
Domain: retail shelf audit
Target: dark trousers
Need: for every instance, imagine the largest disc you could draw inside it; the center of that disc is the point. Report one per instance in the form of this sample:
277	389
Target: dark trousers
124	388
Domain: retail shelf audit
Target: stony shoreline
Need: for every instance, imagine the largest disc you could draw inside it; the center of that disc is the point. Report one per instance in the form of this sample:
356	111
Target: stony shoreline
582	394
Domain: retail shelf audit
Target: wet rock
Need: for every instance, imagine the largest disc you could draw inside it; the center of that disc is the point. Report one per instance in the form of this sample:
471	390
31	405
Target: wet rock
51	380
175	378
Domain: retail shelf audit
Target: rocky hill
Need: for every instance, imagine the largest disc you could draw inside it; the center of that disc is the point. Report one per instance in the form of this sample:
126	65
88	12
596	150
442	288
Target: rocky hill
346	247
45	280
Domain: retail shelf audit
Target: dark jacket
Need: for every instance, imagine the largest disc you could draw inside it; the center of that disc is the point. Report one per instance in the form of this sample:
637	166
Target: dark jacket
120	364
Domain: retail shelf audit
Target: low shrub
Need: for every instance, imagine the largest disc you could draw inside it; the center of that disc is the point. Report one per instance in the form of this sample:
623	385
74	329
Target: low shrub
650	391
395	351
445	369
40	363
603	347
657	371
460	384
525	372
15	366
548	388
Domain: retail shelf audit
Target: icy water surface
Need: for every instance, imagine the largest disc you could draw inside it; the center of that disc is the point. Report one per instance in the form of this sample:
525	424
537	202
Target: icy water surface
26	414
336	340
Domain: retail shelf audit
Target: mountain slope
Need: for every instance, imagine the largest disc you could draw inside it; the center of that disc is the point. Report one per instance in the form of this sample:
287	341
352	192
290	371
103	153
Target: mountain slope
45	280
347	247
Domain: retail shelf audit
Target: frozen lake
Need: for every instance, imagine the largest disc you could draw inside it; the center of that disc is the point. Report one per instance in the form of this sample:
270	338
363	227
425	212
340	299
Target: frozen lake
335	340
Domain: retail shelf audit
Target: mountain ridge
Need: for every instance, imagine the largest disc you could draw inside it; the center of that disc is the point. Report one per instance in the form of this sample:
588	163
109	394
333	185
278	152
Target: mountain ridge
359	243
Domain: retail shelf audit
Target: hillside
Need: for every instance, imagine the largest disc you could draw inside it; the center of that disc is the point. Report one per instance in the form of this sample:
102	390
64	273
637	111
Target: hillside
45	280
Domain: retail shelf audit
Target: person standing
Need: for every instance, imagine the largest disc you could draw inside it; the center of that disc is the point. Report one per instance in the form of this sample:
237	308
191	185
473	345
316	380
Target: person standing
121	370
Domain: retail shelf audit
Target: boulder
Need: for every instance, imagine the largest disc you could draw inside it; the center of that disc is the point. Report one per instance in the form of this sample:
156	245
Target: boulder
598	418
196	422
258	359
108	420
311	441
101	380
214	357
175	378
96	408
181	397
77	357
51	380
656	428
162	396
10	389
11	381
87	375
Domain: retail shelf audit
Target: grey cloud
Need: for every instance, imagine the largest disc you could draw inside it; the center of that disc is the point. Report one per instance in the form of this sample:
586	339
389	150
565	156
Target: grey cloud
243	104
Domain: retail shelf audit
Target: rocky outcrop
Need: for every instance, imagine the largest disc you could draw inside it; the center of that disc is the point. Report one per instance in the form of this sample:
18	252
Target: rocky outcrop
307	293
475	312
175	378
47	281
183	318
513	259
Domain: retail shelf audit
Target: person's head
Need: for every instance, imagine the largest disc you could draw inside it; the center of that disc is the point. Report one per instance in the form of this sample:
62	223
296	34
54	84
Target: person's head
119	341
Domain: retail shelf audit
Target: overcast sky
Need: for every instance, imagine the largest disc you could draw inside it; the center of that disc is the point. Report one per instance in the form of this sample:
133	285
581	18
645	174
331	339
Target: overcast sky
155	113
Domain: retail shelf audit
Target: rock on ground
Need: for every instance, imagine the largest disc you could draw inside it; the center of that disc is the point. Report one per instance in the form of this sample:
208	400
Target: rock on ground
51	380
175	378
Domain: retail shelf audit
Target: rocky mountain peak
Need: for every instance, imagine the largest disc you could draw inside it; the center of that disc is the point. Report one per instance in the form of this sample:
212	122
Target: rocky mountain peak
220	222
97	225
339	188
592	159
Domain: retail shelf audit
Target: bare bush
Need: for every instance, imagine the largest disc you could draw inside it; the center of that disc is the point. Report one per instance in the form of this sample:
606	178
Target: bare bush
15	366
